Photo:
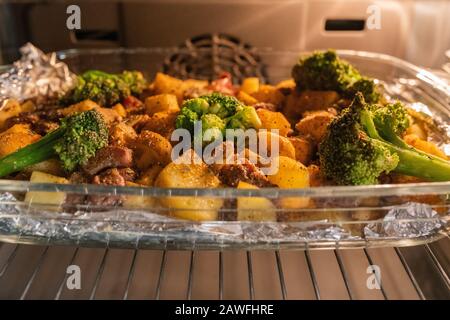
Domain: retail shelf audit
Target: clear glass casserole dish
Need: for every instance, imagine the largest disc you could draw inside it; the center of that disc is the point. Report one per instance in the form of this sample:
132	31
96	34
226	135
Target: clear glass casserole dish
339	217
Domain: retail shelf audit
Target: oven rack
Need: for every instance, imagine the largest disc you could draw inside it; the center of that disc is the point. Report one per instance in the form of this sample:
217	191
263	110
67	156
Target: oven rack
39	272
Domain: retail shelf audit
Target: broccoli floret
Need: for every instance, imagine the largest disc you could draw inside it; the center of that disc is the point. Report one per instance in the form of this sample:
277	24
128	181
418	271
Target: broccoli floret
135	81
359	147
324	70
244	119
186	119
198	105
368	89
75	141
213	123
218	112
222	105
391	119
104	88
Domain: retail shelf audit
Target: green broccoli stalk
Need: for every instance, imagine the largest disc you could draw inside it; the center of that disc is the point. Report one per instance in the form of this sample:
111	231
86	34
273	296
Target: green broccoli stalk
75	141
361	144
325	71
104	88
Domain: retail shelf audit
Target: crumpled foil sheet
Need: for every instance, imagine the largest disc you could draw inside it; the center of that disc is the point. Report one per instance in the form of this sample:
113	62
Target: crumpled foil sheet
142	229
35	76
406	221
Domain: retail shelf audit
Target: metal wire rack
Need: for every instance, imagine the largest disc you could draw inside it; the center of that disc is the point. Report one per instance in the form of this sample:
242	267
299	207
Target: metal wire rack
39	272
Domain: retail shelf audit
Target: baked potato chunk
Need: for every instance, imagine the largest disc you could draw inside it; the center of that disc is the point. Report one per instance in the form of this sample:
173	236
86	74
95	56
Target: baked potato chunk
12	108
304	149
162	123
285	147
149	176
137	202
246	98
315	125
189	175
274	120
291	174
250	85
298	103
425	146
161	103
254	208
15	138
269	94
53	199
150	148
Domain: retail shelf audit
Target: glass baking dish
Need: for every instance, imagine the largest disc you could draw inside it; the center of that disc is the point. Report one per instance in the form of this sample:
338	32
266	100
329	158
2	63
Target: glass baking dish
337	217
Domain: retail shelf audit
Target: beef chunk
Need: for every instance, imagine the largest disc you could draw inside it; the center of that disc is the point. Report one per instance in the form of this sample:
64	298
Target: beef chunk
109	157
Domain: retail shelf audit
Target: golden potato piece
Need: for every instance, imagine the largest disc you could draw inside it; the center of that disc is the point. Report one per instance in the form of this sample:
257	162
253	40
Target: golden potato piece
189	175
274	120
12	108
15	138
298	103
161	103
122	134
79	107
304	149
425	146
246	98
315	125
162	123
149	176
286	85
254	208
164	83
285	147
250	85
138	201
120	109
291	174
269	94
150	148
42	197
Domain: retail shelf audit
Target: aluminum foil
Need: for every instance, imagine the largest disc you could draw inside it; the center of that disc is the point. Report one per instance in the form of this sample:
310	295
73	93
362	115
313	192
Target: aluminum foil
406	221
125	228
35	76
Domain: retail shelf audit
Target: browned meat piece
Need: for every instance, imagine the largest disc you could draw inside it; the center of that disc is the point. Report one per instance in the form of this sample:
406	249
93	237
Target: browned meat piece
223	84
43	127
37	120
109	157
137	122
111	177
74	199
266	106
231	174
133	105
128	174
195	92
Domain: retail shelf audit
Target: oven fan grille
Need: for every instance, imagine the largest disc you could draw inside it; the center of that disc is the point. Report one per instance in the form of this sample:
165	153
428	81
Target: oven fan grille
207	56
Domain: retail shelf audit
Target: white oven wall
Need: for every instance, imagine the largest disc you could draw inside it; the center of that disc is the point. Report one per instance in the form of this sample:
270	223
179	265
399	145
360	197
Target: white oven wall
416	30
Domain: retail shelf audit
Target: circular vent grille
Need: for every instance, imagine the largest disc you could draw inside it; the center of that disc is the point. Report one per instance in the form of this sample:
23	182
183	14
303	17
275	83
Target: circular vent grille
207	56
